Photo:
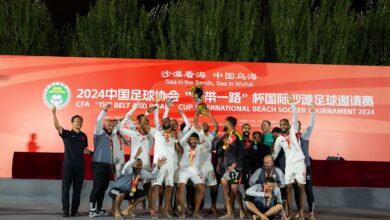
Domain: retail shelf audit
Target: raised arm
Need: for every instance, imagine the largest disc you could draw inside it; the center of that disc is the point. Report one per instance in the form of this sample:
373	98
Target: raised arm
116	128
196	119
143	124
129	114
168	105
187	135
309	130
151	175
203	138
55	120
294	121
127	169
186	121
99	122
215	123
127	132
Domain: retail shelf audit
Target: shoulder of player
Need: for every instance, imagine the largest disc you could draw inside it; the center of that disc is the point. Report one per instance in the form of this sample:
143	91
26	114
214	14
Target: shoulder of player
280	138
238	135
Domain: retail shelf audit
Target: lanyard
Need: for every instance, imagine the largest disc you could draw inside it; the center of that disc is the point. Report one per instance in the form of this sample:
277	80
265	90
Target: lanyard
266	173
191	156
226	144
134	183
287	138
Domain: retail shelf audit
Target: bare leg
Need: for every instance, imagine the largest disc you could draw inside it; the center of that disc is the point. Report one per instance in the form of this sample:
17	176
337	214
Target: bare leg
199	194
113	207
118	201
274	210
301	200
237	193
168	204
161	199
213	195
129	209
254	209
180	198
289	199
226	196
147	188
155	194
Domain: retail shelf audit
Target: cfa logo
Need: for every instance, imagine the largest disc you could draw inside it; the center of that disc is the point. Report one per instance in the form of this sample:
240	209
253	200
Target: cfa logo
56	94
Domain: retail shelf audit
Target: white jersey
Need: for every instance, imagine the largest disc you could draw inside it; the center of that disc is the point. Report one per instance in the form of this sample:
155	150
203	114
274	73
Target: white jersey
164	147
206	152
139	141
191	158
290	144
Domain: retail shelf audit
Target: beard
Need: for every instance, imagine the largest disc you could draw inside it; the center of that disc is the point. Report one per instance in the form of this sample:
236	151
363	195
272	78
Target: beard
136	171
246	134
108	132
284	130
225	129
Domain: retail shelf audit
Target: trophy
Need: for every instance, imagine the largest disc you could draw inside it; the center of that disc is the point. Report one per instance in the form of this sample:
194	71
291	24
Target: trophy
197	94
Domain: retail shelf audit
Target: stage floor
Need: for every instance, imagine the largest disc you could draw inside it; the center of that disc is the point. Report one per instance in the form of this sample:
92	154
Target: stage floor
41	199
35	211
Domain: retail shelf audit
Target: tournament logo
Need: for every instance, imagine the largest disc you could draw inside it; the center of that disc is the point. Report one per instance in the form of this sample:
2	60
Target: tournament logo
56	94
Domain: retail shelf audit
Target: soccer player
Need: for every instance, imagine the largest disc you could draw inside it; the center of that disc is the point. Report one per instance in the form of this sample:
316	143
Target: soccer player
289	141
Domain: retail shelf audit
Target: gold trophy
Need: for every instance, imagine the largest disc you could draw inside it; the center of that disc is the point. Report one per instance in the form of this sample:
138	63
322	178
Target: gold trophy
197	94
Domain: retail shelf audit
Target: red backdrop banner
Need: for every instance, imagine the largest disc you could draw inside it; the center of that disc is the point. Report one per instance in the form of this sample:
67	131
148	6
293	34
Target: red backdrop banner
353	107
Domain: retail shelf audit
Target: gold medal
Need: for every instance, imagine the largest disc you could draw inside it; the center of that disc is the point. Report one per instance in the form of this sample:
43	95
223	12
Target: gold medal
133	190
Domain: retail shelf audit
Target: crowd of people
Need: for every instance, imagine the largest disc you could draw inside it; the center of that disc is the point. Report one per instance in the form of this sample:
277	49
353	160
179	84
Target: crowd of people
272	165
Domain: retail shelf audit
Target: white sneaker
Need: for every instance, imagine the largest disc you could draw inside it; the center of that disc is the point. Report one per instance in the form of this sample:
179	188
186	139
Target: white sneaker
93	213
103	212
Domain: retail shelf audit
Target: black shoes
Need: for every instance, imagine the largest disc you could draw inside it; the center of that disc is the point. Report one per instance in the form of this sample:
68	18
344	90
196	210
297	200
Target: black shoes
75	214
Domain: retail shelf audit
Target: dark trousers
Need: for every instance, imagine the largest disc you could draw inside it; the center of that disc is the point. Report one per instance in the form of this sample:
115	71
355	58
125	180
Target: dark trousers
72	176
308	190
101	179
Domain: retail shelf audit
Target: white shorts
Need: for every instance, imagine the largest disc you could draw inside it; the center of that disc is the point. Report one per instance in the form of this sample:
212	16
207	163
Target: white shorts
165	175
190	173
207	172
149	169
296	171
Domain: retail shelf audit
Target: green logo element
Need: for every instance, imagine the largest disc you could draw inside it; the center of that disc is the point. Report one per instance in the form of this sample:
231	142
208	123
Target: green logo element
56	94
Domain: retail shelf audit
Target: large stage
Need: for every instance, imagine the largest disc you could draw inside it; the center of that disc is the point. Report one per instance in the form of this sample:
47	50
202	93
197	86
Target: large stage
41	199
327	173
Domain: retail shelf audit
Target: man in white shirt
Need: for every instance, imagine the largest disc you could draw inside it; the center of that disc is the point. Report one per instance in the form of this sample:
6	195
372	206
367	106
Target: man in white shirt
206	165
139	140
295	172
165	146
189	169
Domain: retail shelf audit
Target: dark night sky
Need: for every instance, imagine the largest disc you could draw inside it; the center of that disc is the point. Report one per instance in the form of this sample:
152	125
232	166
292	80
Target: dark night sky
64	12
